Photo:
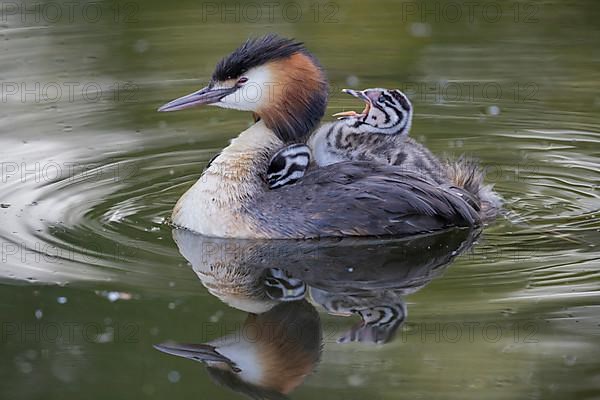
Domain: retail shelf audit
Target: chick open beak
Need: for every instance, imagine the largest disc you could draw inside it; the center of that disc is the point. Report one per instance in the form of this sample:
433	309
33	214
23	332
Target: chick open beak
360	95
205	95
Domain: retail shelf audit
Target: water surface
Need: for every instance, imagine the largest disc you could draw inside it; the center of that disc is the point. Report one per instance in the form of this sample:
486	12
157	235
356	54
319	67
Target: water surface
92	277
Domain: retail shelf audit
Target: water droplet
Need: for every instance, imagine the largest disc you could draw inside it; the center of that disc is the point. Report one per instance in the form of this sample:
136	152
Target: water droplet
106	336
38	314
113	296
356	380
493	110
31	354
570	360
216	316
61	300
141	46
420	29
25	367
174	376
352	81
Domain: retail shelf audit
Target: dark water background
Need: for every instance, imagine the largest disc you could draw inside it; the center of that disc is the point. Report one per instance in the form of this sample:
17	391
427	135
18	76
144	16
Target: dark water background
90	275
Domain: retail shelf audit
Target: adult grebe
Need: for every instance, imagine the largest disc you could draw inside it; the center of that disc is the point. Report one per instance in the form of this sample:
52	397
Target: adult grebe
232	198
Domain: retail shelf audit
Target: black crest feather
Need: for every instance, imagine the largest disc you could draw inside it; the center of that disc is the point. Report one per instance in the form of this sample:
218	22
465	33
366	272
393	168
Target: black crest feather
255	52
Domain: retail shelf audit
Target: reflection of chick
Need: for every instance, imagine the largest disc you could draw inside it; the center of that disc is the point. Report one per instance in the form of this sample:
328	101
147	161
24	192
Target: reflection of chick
268	356
381	313
235	271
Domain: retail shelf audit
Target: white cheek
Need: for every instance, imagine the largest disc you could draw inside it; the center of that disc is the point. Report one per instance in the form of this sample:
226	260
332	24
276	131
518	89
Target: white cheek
246	98
256	93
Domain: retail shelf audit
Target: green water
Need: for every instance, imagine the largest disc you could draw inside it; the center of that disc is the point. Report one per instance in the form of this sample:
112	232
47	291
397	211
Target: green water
91	277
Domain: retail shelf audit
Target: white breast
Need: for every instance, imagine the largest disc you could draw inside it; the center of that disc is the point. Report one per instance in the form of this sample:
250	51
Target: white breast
214	205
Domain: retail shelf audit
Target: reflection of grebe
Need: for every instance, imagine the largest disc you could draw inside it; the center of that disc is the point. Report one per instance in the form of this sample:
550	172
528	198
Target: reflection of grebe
280	341
232	199
270	355
363	277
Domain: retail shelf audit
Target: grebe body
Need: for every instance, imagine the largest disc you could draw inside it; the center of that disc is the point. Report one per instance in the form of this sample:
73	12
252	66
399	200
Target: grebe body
351	198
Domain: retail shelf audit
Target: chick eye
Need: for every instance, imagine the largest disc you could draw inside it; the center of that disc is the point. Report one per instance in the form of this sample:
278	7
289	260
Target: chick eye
381	99
243	79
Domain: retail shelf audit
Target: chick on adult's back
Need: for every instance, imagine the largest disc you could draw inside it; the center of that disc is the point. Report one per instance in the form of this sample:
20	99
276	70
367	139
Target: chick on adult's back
380	134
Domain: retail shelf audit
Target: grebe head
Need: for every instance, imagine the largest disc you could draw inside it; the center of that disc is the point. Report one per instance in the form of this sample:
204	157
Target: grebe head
267	357
386	111
274	77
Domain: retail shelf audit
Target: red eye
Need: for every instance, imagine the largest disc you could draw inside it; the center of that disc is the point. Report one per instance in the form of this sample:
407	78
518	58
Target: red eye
242	80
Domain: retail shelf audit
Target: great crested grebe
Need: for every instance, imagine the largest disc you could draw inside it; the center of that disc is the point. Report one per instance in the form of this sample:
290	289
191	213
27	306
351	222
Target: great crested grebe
232	198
